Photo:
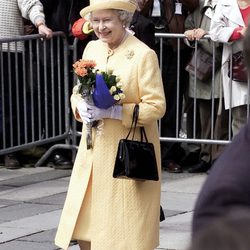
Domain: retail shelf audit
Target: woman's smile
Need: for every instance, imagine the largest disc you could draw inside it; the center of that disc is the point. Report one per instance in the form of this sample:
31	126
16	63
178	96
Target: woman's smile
108	27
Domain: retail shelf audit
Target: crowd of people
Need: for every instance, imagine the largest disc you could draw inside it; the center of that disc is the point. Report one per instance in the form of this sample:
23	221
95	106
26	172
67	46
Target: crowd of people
212	97
123	40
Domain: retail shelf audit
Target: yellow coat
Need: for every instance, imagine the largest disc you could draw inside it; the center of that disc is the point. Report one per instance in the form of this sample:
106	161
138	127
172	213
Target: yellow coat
124	213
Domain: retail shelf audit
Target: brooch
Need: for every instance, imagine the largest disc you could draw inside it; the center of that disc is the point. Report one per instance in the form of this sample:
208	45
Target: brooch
130	54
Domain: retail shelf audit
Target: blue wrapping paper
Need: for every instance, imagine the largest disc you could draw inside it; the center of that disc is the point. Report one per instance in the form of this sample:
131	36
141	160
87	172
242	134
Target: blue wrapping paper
101	96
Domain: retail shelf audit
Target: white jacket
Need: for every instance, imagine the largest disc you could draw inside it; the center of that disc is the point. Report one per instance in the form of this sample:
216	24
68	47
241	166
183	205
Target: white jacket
227	17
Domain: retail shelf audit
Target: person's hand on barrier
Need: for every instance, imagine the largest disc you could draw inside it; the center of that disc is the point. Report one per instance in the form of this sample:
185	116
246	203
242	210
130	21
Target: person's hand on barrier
199	33
189	34
114	112
195	34
44	30
82	108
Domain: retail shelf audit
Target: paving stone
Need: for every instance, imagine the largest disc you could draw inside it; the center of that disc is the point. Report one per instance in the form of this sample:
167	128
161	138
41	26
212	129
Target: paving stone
178	201
45	236
5	203
26	245
6	174
45	221
75	247
38	190
4	187
190	184
12	233
175	232
57	199
22	210
30	225
29	179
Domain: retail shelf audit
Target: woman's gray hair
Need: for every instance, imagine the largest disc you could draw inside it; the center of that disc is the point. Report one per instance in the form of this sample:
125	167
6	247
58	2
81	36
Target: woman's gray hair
124	16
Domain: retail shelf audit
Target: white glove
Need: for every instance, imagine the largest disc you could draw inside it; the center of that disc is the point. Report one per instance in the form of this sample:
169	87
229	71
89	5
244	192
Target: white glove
114	112
83	111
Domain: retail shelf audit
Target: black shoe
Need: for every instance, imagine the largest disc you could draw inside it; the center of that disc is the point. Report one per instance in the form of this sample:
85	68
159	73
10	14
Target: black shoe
201	167
11	161
173	167
59	161
162	215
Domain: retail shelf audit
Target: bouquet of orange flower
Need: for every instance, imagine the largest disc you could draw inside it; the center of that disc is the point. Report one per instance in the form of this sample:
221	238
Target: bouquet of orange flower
103	89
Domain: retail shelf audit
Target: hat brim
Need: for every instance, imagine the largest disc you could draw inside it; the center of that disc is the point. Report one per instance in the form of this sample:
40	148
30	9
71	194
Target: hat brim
119	5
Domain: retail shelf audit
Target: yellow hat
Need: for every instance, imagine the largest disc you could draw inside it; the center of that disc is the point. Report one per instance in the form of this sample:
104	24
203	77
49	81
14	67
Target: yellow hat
128	5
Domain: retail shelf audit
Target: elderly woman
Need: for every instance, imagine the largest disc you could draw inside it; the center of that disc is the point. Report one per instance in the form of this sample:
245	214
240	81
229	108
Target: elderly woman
206	91
100	211
228	25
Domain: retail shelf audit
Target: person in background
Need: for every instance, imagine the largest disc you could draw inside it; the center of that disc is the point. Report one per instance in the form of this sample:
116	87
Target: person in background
168	17
229	232
60	16
118	220
228	25
142	26
197	26
11	24
227	186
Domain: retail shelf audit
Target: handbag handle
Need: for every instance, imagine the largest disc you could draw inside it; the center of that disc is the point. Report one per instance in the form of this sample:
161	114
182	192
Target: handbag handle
143	134
134	123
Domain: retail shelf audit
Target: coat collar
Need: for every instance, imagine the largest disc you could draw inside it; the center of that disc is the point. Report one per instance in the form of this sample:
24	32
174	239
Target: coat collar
210	3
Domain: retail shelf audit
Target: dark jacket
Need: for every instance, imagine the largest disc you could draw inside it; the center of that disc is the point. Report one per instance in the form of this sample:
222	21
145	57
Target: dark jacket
144	29
228	185
172	23
60	14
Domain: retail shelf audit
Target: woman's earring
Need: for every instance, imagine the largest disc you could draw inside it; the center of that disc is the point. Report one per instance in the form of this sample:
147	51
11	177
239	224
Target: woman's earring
123	26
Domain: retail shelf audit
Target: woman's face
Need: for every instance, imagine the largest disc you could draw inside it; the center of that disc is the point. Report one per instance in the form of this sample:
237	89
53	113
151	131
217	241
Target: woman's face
108	27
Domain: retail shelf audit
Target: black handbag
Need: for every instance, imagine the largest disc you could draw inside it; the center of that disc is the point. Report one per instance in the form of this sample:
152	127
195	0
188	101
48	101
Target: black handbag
136	159
239	70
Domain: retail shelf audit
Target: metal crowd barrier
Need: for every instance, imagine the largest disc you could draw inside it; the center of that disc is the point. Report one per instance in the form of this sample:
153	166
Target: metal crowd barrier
36	82
179	135
34	100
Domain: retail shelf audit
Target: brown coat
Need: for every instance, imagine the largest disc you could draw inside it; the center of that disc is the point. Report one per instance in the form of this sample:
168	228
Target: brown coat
124	213
175	22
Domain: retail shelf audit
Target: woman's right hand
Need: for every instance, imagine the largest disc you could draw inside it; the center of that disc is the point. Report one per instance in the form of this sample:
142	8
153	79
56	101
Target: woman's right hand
82	108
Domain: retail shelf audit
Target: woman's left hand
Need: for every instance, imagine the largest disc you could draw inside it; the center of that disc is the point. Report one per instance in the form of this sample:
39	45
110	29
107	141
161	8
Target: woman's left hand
114	112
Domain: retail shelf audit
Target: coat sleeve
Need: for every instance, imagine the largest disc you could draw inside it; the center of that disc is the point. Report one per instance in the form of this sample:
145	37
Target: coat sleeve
32	10
190	22
151	93
219	30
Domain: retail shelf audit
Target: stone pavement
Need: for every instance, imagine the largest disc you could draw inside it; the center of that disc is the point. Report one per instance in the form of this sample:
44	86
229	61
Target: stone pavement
31	201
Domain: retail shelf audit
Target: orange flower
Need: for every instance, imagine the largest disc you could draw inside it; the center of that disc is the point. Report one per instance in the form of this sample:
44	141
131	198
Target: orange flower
82	67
